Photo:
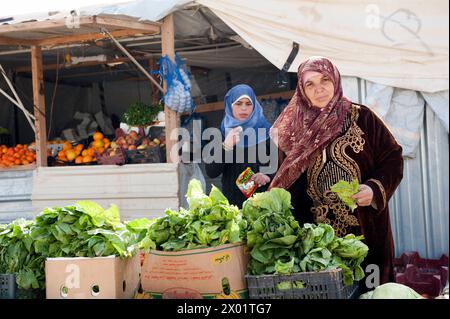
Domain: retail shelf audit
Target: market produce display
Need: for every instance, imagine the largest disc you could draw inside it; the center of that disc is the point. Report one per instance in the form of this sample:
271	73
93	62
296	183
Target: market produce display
280	246
18	155
82	230
79	154
277	243
210	221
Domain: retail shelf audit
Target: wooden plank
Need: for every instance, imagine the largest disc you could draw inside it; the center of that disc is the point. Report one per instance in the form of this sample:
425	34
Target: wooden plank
147	27
39	105
90	37
172	119
54	66
218	106
35	26
14	41
138	190
127	28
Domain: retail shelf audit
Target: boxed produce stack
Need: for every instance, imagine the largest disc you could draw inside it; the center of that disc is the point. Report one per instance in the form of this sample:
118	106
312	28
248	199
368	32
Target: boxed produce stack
196	253
92	254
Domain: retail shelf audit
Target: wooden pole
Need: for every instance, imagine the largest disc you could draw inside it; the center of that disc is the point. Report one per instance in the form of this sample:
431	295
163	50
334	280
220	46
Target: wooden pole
172	119
39	105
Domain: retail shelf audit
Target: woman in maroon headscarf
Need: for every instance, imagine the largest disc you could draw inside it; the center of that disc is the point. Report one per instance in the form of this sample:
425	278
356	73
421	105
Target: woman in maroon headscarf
323	137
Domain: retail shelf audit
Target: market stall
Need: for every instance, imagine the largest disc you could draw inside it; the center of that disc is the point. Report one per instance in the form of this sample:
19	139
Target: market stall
139	189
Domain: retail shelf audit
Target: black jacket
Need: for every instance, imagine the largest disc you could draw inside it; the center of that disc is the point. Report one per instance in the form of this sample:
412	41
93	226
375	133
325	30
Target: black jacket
231	170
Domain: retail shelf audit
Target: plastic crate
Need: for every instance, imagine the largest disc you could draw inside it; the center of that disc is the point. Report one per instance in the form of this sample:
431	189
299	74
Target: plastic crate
304	285
148	155
8	286
425	276
9	289
105	159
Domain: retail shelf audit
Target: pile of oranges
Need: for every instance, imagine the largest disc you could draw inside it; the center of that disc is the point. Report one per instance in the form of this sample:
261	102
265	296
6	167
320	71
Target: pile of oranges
21	154
80	155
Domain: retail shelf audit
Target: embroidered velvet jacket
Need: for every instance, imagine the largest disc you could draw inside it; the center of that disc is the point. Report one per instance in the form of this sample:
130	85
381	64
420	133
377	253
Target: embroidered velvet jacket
365	150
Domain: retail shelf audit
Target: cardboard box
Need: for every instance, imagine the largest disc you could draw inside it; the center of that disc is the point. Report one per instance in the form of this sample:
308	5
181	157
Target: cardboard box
92	278
215	272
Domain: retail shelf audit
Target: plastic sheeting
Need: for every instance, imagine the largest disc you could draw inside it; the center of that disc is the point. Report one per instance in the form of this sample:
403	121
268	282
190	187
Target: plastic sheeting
401	44
402	111
419	208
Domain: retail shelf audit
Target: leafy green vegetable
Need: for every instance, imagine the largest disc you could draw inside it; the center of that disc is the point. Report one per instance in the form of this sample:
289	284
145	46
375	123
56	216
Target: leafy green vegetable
272	233
82	230
210	221
140	114
345	191
392	290
18	256
280	246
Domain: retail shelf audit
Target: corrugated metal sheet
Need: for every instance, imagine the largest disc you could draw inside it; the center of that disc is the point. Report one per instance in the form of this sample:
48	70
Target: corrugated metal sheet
420	206
15	194
144	190
419	209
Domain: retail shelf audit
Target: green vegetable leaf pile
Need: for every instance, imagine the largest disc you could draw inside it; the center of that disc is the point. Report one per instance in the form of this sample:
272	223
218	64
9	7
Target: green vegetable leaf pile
18	256
272	233
345	191
210	221
82	230
141	115
278	245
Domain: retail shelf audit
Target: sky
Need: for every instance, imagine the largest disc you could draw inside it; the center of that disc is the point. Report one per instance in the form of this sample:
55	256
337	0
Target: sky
18	7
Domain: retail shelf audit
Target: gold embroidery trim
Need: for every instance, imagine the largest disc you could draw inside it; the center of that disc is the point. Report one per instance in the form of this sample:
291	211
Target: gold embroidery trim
380	186
328	204
352	137
343	218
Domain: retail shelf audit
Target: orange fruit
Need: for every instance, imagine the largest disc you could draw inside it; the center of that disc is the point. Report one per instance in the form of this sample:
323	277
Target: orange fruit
98	136
17	162
67	145
79	159
106	140
100	150
91	152
71	155
78	149
61	153
98	144
25	162
84	153
87	159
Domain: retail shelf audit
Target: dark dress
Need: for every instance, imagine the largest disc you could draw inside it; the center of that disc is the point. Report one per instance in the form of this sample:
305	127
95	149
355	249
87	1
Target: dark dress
365	150
231	170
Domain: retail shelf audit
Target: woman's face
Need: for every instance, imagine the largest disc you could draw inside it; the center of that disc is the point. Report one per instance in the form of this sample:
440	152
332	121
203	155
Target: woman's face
242	109
319	89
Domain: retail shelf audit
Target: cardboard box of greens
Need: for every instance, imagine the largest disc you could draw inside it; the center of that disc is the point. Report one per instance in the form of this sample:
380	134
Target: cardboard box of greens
92	278
214	272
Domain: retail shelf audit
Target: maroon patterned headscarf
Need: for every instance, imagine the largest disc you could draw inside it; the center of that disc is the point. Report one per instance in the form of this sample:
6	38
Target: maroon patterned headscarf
303	129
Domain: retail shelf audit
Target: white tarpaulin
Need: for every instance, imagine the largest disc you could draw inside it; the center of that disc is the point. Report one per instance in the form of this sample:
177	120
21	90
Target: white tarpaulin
402	44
